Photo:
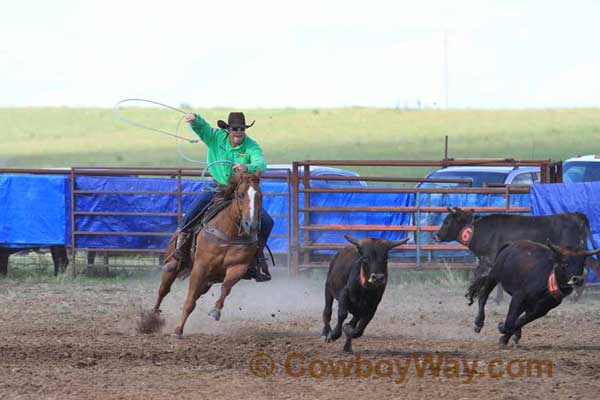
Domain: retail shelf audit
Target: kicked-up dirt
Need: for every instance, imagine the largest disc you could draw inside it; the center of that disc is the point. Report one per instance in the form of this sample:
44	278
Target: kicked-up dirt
77	339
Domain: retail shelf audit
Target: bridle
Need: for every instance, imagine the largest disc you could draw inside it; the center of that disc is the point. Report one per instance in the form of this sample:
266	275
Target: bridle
224	239
240	216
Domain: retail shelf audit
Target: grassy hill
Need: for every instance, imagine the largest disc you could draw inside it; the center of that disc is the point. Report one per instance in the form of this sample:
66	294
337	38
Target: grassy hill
64	137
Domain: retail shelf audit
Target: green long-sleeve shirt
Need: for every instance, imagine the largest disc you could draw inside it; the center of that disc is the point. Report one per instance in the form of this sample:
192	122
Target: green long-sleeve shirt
219	148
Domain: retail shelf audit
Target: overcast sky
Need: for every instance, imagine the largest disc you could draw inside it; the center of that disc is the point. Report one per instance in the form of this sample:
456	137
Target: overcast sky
303	53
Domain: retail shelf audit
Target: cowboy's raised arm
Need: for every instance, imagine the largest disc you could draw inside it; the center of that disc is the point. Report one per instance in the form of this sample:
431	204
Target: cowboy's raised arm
202	128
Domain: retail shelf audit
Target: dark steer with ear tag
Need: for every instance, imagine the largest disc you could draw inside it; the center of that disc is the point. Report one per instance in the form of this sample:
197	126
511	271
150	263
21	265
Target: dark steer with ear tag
356	279
537	277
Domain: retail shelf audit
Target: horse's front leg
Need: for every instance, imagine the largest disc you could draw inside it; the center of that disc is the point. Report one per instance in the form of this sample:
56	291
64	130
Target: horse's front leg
232	276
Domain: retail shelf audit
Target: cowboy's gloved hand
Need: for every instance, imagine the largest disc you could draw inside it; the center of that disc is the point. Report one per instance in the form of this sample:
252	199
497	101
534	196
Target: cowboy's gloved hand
190	117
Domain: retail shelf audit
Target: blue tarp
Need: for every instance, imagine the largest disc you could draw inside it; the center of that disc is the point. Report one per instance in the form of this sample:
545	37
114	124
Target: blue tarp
164	203
356	218
554	198
460	200
35	210
32	210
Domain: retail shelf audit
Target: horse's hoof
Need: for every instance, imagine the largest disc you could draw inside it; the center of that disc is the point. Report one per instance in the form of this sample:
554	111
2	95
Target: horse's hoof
216	314
477	328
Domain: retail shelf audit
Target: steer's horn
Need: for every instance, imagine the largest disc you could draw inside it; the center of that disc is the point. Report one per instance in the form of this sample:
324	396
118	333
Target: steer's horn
395	243
592	252
552	247
352	240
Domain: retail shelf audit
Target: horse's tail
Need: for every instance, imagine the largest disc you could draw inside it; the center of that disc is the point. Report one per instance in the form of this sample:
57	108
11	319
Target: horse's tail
475	288
171	247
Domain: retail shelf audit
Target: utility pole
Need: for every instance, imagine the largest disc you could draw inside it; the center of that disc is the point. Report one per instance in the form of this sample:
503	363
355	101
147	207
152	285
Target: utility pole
446	68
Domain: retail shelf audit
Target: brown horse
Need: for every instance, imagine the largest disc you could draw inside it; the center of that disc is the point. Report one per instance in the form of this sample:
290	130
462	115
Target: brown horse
225	246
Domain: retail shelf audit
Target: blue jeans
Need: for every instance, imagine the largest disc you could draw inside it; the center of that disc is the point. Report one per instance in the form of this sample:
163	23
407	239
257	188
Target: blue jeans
266	222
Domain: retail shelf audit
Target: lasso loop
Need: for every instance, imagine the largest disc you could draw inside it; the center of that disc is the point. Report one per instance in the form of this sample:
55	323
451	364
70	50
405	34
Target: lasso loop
175	135
203	175
133	123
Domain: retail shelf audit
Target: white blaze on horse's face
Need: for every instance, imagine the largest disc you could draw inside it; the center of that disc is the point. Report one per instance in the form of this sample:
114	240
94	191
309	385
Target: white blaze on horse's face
249	222
252	197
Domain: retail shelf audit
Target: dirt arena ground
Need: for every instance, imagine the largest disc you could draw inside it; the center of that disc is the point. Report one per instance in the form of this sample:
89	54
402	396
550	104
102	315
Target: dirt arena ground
76	339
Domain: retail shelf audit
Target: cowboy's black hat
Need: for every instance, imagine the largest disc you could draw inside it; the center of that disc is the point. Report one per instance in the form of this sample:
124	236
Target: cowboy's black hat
235	120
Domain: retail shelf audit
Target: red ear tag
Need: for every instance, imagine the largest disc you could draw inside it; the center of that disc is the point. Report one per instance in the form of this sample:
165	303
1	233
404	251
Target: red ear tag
363	280
465	235
553	287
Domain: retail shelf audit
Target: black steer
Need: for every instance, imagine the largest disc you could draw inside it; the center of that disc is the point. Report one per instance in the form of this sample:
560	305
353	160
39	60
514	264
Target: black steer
484	235
356	279
537	277
59	257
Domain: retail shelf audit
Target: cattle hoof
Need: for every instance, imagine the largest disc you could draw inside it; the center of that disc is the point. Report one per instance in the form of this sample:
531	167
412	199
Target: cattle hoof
477	328
216	314
503	342
501	327
348	330
348	350
329	338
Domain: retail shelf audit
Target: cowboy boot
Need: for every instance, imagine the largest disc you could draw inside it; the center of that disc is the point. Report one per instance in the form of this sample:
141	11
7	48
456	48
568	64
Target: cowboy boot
181	251
259	269
262	267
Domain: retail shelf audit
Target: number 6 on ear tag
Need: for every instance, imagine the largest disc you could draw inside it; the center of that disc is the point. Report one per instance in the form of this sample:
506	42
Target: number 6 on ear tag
465	235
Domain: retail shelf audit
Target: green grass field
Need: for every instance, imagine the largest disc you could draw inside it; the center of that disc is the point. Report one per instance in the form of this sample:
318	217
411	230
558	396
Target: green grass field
65	137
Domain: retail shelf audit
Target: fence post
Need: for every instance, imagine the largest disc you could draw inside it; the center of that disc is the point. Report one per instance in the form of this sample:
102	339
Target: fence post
306	234
418	229
179	197
295	220
73	225
288	181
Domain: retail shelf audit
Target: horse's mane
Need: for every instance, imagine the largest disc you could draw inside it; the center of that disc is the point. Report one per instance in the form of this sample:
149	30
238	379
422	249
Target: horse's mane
227	191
